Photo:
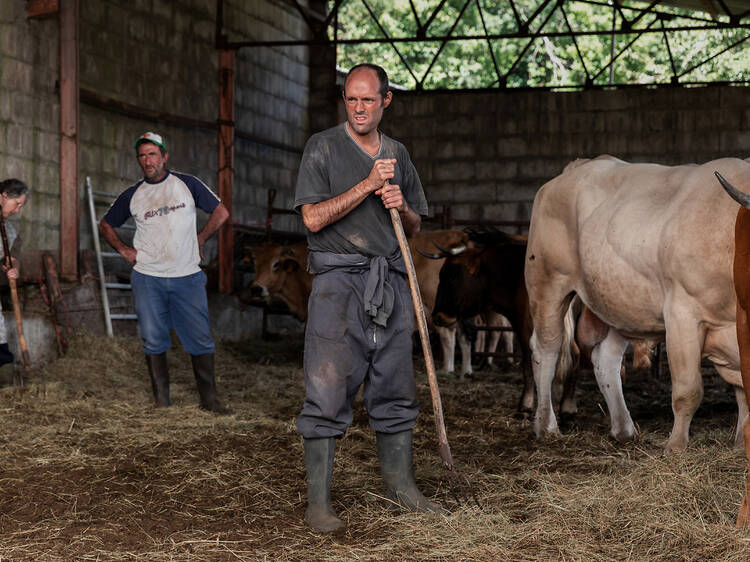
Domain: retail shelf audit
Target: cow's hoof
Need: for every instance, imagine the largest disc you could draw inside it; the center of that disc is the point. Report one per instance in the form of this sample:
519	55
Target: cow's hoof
674	449
548	435
523	413
568	420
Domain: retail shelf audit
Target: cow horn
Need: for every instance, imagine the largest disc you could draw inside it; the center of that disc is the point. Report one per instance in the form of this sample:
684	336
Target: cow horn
430	256
741	198
453	251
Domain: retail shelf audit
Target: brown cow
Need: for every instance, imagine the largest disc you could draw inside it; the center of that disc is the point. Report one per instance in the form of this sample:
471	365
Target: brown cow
281	273
741	269
480	280
491	279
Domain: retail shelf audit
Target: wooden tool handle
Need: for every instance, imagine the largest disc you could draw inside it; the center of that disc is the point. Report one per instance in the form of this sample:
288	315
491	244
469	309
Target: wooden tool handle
14	297
416	297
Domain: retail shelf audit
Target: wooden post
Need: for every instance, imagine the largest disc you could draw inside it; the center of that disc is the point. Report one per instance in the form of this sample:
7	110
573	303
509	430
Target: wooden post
69	110
226	166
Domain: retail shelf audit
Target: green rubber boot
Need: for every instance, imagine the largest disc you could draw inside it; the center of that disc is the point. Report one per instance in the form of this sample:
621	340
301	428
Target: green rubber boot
395	454
159	374
319	463
203	369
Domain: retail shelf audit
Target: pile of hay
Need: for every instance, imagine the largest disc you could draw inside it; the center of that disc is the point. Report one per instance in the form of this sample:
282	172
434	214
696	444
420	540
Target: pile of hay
92	471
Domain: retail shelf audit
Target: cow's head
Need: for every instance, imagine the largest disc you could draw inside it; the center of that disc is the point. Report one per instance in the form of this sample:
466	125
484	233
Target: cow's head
281	280
274	263
462	285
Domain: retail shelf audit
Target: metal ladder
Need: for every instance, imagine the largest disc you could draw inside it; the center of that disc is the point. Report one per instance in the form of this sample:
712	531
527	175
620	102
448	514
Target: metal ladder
100	256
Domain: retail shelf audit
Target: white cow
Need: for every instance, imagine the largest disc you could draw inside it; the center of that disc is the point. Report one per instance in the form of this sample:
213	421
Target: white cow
648	248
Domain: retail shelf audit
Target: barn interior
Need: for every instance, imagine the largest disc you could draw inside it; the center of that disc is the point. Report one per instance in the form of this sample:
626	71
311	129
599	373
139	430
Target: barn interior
237	88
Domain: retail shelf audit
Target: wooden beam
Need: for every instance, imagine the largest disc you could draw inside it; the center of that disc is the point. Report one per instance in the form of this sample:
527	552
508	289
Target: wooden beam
69	111
41	8
226	166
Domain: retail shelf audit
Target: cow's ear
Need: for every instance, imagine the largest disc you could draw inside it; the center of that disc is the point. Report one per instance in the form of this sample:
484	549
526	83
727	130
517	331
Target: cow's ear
290	266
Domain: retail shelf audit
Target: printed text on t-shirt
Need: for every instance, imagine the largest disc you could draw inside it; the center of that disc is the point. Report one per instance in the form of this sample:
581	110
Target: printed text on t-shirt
162	211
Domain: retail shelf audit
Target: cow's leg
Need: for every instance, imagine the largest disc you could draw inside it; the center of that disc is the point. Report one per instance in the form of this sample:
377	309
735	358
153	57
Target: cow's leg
507	338
568	405
743	516
734	378
743	339
448	345
464	345
607	360
499	321
480	341
545	351
684	341
568	367
548	302
742	416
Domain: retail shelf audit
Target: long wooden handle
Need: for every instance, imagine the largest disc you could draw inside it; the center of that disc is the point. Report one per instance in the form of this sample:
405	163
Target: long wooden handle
14	298
416	297
19	324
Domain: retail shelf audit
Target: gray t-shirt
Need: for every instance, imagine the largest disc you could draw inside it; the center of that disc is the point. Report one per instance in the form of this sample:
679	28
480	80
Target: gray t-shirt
332	163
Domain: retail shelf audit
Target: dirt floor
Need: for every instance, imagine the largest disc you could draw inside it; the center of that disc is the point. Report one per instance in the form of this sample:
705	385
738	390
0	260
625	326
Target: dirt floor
92	471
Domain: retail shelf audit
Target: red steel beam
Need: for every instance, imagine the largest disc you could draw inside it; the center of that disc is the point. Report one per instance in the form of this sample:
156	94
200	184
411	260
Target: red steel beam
69	110
226	166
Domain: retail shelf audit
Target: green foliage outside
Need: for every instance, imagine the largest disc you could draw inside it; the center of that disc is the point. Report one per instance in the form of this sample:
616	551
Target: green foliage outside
551	62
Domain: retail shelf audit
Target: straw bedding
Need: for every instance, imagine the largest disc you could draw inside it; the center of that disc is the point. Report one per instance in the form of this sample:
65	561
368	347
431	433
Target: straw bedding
92	472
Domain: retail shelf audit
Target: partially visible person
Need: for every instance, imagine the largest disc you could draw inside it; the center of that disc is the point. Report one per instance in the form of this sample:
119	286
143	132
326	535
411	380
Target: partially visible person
169	287
13	196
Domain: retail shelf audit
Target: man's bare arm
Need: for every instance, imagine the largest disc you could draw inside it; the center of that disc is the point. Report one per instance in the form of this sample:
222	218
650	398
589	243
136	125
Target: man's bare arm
109	234
393	198
317	216
215	220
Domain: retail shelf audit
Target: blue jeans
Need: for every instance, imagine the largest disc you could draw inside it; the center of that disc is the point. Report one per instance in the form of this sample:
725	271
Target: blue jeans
166	303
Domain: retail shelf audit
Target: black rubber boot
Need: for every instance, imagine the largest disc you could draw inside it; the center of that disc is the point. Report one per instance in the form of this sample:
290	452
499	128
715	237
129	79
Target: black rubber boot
396	465
159	373
203	369
319	463
6	355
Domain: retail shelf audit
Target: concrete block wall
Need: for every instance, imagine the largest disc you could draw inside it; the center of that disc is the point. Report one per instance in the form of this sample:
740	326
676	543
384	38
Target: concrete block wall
484	153
271	109
29	118
155	55
158	56
487	153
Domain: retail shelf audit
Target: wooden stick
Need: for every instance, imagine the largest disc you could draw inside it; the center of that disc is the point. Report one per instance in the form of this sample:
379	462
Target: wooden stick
416	297
14	297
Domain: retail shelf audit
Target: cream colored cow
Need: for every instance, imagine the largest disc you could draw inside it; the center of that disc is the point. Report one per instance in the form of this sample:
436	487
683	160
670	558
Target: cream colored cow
648	248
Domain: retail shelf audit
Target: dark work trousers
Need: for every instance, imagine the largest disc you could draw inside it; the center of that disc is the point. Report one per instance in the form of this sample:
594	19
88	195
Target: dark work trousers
345	349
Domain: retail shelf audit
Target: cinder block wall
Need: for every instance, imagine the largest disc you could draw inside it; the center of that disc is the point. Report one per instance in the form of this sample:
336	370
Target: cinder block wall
271	109
487	153
484	153
161	55
152	56
30	118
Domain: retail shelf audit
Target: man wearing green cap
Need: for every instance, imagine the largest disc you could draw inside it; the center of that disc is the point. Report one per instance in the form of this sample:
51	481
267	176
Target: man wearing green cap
169	287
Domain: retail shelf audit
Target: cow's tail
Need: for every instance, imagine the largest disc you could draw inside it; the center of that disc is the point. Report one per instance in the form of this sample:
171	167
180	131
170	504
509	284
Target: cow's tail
569	353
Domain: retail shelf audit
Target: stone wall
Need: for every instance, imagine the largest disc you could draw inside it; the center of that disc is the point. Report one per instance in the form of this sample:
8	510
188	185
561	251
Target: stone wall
487	153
